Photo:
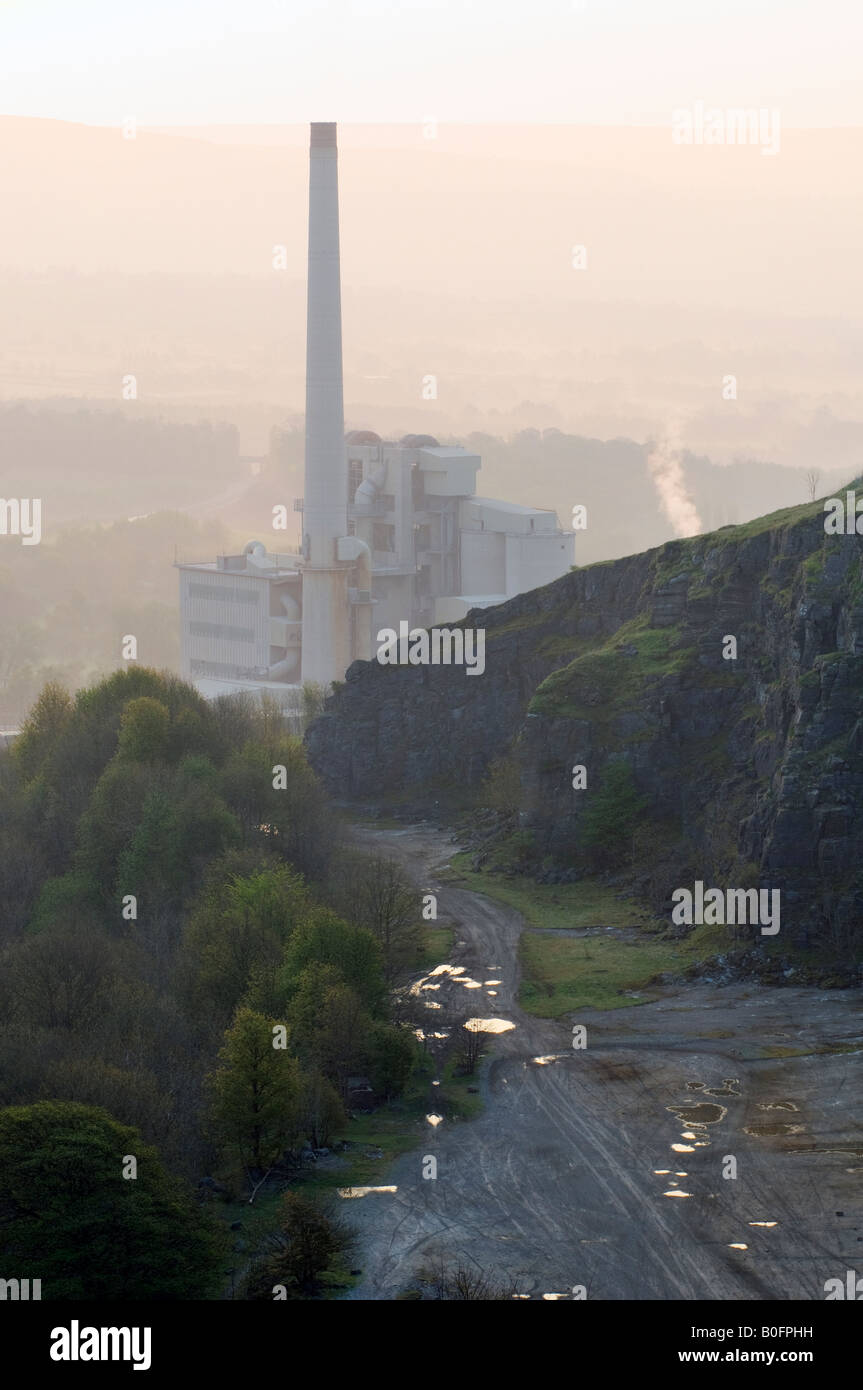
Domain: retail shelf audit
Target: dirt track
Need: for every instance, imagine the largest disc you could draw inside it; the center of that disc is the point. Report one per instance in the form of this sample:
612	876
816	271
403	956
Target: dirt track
561	1180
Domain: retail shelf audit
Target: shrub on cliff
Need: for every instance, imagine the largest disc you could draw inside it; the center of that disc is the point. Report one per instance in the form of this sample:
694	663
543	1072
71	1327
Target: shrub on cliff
610	817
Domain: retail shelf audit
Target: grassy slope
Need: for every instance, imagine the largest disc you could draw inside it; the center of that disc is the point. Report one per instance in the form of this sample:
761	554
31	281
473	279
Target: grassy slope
563	973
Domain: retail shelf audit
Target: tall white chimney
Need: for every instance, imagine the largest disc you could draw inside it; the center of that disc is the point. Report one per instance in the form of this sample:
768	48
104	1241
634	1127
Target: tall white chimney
326	651
326	486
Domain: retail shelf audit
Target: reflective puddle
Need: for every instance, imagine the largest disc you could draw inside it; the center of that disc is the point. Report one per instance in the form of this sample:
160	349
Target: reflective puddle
728	1088
350	1192
703	1114
488	1025
769	1131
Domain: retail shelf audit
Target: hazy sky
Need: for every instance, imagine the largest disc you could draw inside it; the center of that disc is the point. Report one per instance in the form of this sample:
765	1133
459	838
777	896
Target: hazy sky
606	61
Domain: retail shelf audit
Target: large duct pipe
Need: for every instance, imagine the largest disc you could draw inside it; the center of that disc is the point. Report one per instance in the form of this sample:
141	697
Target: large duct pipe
355	550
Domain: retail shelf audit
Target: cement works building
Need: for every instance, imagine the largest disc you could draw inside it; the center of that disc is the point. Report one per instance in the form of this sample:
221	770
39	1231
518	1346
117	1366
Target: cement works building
392	531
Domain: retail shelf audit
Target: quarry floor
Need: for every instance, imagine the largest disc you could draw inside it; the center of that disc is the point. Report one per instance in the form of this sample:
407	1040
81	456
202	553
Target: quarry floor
603	1167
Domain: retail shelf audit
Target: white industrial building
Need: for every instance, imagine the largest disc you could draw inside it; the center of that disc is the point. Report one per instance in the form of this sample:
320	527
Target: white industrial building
392	531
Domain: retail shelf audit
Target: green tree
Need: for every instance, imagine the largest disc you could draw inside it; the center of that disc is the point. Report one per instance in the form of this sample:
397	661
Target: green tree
42	729
70	1218
385	902
392	1055
255	1094
294	818
324	939
144	730
321	1109
501	789
182	825
309	1239
609	819
239	929
329	1026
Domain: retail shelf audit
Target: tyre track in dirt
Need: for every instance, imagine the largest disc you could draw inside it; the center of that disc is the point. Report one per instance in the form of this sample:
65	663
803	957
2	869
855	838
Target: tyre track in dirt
560	1181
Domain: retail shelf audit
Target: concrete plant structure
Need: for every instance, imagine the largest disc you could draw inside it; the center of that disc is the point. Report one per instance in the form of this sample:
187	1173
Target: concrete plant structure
392	531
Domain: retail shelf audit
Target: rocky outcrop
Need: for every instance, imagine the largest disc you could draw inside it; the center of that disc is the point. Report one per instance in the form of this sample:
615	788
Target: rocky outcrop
749	758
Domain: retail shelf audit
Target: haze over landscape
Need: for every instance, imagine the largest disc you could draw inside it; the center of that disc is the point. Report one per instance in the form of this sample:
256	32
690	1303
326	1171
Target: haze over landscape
398	985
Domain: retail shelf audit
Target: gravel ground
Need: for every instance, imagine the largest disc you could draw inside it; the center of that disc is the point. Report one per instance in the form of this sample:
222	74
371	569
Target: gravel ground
564	1178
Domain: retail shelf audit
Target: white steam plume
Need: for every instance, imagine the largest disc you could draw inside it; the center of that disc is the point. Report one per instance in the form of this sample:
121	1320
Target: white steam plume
666	470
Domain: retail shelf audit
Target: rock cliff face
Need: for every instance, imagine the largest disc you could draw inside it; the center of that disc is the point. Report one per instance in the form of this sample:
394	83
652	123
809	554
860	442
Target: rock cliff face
750	765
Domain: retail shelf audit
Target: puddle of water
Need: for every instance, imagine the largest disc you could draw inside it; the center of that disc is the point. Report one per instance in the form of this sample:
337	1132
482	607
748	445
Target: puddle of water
488	1025
778	1105
676	1192
351	1192
770	1130
452	970
544	1061
763	1223
492	993
435	1083
661	1172
550	1297
813	1149
431	1004
738	1246
704	1114
728	1087
681	1175
435	1120
688	1135
683	1148
493	982
469	984
695	1085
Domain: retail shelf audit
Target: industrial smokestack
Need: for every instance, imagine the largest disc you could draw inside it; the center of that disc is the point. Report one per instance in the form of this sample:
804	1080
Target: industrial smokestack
326	651
326	491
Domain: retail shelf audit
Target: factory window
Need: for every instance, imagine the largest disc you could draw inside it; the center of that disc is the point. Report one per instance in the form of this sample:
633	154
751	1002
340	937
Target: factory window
383	536
226	670
355	477
222	594
223	630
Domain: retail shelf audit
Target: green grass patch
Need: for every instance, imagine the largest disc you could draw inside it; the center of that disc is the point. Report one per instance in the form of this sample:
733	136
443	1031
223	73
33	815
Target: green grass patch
454	1100
589	903
435	947
773	521
562	974
599	684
